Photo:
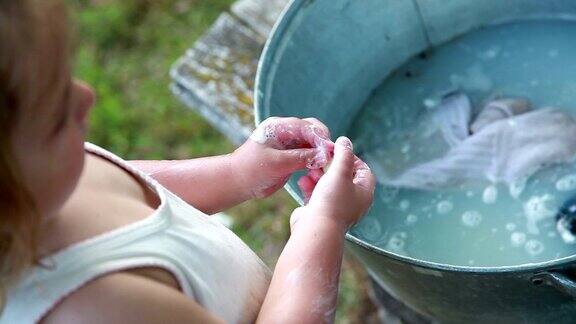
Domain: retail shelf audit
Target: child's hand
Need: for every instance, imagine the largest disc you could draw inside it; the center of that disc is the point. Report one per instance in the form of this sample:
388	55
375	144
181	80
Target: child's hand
277	148
345	192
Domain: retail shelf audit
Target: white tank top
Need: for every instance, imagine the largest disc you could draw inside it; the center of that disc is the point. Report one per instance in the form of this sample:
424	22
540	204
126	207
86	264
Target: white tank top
212	265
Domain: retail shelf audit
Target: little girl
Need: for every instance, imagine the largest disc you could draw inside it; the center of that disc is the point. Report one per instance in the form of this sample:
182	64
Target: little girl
86	237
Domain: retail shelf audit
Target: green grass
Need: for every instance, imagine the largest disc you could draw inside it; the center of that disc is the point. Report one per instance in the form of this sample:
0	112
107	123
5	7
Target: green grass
124	49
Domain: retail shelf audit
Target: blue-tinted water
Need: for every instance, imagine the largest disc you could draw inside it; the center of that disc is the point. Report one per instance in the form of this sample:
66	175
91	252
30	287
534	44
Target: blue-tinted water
480	224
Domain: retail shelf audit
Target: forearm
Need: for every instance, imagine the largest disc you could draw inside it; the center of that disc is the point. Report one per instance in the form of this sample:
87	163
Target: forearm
304	287
209	184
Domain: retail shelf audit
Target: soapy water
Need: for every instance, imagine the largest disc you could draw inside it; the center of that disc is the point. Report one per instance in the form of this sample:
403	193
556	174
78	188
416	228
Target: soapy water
411	219
490	194
518	239
471	218
404	205
567	183
444	207
538	208
451	227
482	223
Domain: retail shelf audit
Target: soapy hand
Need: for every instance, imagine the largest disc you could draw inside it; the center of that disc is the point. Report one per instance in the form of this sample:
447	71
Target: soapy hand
344	193
276	149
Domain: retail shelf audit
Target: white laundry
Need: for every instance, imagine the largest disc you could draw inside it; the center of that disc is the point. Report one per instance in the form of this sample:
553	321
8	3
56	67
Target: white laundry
508	143
453	116
499	109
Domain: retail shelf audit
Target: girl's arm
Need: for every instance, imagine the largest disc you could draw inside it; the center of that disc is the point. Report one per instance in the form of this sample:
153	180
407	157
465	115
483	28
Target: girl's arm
127	298
304	287
209	183
279	147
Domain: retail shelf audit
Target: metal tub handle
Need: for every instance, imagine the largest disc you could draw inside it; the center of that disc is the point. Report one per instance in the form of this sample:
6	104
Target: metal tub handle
557	280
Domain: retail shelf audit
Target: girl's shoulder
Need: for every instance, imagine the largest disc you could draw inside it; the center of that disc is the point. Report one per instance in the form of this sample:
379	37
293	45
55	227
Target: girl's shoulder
106	197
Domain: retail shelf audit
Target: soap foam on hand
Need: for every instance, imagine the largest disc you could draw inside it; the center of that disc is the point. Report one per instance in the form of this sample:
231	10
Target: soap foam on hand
283	134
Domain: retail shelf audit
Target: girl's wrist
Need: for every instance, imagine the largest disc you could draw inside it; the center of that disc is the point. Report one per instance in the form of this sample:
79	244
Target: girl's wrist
314	217
238	176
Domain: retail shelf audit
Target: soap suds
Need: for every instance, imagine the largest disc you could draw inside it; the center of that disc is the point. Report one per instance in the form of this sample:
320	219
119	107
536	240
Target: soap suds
444	207
490	195
283	135
538	208
471	218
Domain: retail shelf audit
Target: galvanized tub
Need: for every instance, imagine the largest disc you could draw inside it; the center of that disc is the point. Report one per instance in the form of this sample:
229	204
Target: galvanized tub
323	60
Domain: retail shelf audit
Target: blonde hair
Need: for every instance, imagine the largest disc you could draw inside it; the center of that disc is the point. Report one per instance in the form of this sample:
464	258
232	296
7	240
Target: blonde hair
33	57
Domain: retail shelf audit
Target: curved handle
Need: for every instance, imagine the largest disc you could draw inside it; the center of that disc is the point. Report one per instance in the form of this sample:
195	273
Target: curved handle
557	280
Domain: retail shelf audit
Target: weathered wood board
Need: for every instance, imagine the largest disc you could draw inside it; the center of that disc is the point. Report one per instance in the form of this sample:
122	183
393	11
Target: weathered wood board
216	76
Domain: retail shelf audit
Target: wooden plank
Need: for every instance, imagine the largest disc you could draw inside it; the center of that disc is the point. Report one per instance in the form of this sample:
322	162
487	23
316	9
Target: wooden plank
216	77
260	15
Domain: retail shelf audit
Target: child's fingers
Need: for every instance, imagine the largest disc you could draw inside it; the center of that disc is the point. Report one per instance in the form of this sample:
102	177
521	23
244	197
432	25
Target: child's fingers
343	162
359	164
363	176
293	133
315	174
317	135
281	133
323	128
306	185
298	159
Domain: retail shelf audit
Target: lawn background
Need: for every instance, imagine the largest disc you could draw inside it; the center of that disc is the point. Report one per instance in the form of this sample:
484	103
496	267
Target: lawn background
124	49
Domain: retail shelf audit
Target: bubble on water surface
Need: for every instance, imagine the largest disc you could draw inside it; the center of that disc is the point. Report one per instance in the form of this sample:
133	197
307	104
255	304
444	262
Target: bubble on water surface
538	208
510	227
490	195
397	242
411	219
444	207
517	239
404	204
517	187
534	247
371	229
471	218
566	183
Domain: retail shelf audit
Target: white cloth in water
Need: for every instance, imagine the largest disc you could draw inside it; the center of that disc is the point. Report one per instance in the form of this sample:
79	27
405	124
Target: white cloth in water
453	117
505	147
499	109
